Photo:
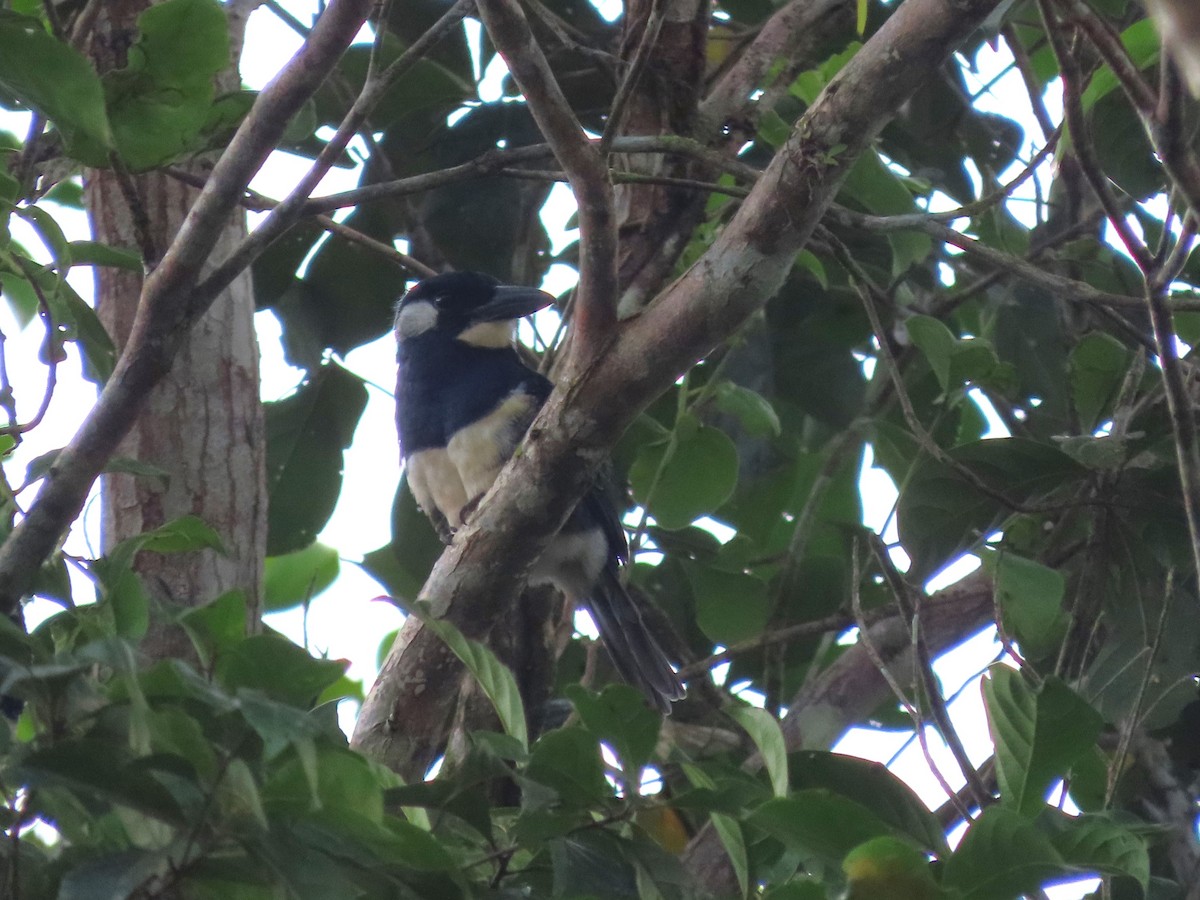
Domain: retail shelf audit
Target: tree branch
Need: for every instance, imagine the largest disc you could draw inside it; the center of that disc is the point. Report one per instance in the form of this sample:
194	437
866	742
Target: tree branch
170	303
479	573
595	305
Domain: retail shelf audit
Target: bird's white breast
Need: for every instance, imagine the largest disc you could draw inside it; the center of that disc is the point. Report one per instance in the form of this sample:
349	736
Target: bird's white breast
480	450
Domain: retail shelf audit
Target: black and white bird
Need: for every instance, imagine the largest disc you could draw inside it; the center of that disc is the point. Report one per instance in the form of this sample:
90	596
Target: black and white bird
464	400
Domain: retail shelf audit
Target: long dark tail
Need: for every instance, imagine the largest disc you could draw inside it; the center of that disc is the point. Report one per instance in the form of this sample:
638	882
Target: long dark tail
634	651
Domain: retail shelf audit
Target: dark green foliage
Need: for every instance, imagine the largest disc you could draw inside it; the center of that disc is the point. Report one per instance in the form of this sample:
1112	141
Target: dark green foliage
229	777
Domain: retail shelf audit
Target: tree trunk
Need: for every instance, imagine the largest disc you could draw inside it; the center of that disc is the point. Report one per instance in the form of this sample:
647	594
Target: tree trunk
203	424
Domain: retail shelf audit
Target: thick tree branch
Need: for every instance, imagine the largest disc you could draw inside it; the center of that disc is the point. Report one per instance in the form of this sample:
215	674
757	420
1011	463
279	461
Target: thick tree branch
476	577
797	32
595	306
169	303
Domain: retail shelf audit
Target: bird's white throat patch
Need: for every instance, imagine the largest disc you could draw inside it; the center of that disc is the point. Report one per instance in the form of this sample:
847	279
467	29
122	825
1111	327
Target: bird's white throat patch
489	334
415	318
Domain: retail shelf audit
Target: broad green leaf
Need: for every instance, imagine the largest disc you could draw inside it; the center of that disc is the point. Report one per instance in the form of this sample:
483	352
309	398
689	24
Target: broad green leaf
237	798
182	535
493	676
750	408
306	436
1098	365
620	717
936	341
1030	597
568	762
764	730
819	823
57	81
1001	856
95	345
682	480
297	577
885	868
1099	844
1038	735
940	514
403	564
92	253
274	665
1142	44
217	626
873	786
160	102
730	606
51	235
797	889
882	192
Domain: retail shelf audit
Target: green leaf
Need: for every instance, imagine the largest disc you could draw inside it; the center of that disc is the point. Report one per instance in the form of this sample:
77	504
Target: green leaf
818	823
217	626
1098	844
879	190
618	716
58	82
936	341
93	253
682	480
940	514
1141	43
1001	856
730	606
274	665
1098	365
764	730
160	102
568	762
885	868
1038	735
773	129
51	235
871	785
1030	598
750	408
403	564
734	842
306	436
493	676
297	577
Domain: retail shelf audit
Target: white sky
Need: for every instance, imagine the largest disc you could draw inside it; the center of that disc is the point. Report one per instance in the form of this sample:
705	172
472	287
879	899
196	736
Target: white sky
347	620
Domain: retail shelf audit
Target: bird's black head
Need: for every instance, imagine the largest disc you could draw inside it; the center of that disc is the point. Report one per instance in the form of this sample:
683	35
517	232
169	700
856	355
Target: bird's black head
471	307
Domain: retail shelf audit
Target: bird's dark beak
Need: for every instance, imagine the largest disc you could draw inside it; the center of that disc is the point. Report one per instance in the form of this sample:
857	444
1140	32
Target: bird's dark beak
512	302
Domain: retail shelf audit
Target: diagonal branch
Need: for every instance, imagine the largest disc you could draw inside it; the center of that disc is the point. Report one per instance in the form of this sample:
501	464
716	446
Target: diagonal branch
580	422
170	303
595	306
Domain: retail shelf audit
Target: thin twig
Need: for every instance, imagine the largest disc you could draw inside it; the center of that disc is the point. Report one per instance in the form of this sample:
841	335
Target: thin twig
885	671
646	43
52	338
596	306
142	228
1006	263
910	601
1081	138
292	207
